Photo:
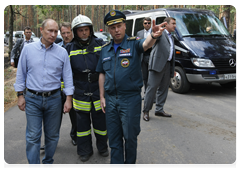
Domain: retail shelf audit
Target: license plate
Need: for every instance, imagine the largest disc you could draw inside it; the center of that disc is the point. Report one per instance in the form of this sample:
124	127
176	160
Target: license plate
230	76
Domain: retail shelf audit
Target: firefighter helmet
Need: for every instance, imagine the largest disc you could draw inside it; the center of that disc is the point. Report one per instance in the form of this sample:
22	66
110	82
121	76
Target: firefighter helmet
81	21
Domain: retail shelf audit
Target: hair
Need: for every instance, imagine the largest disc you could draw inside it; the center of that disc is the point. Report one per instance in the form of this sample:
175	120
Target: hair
27	28
45	22
168	19
147	19
65	24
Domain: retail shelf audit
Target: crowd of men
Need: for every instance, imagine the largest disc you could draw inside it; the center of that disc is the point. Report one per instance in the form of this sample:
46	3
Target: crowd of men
86	77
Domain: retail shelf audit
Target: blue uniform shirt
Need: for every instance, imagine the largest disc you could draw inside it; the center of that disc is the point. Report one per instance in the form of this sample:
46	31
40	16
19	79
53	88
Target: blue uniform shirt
122	69
43	68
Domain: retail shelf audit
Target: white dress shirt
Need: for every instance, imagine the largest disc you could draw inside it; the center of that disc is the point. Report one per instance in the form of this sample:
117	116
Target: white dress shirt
147	32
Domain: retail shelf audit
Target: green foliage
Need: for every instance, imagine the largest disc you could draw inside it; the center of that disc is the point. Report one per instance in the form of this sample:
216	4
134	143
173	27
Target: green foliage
232	10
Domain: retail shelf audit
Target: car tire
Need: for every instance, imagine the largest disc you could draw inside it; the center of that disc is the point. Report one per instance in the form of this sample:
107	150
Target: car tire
179	83
230	85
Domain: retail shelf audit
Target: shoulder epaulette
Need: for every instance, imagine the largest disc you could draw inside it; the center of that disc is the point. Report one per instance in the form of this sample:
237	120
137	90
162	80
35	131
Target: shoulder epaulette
133	38
106	44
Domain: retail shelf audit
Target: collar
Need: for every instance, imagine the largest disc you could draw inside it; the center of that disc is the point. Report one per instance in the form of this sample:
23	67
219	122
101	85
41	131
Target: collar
168	32
122	45
62	44
30	40
150	30
43	45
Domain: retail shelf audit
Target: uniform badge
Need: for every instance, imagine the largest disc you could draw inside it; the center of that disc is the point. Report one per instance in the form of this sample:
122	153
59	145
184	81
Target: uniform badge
112	13
125	62
138	38
123	51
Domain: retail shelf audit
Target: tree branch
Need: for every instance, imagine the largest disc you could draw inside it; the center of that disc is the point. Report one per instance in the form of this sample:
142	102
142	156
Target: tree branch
19	13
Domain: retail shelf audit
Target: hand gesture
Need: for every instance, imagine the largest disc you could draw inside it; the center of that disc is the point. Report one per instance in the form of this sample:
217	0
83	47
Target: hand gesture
158	29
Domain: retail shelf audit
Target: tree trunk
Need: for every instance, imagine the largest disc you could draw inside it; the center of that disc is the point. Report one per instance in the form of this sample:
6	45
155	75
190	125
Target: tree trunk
10	45
226	14
104	13
235	24
220	12
92	17
37	23
97	18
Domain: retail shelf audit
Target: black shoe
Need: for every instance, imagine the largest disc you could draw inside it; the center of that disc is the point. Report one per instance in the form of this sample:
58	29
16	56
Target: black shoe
146	116
42	147
85	158
74	142
104	154
48	166
163	114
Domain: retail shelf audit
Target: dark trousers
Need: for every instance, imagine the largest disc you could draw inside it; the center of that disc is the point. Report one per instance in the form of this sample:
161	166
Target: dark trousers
144	66
73	118
123	126
84	137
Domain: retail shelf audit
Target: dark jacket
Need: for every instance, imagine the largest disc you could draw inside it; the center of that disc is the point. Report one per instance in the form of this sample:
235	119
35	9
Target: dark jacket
84	59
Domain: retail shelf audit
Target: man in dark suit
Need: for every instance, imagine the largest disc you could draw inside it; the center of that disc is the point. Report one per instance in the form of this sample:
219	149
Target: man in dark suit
145	55
16	51
161	69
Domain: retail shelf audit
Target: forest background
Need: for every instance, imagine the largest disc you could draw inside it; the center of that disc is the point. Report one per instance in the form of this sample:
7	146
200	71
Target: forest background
33	15
16	17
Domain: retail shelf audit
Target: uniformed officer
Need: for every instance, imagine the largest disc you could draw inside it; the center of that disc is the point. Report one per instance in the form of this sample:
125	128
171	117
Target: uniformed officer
84	51
120	83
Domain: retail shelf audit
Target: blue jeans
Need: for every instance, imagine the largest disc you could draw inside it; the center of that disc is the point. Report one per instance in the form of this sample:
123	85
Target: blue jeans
47	110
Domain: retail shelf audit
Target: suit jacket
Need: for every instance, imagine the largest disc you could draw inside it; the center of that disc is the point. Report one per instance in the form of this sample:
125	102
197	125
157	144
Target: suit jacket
160	53
141	35
16	51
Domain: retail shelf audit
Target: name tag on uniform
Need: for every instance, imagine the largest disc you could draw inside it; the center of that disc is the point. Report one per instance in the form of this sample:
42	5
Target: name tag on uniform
106	59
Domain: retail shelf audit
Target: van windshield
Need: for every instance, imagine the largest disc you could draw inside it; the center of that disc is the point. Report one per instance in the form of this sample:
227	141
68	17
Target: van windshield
199	24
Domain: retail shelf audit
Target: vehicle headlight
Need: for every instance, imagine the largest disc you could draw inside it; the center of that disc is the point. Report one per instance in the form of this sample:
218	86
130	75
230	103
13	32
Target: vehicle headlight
200	62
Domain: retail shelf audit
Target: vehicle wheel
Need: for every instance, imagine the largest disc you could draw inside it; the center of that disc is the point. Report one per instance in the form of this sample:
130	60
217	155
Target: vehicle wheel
230	85
179	83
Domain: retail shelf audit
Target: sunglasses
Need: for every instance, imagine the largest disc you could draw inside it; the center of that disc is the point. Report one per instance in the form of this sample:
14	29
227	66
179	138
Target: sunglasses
147	23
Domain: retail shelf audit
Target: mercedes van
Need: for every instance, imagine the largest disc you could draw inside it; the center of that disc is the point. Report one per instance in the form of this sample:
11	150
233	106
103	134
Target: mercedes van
205	50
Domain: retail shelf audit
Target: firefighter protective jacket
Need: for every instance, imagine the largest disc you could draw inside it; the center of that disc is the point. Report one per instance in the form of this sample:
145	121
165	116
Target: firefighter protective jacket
84	59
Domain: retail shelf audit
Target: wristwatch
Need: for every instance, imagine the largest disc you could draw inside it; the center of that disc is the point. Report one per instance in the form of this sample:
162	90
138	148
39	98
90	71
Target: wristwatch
153	36
19	94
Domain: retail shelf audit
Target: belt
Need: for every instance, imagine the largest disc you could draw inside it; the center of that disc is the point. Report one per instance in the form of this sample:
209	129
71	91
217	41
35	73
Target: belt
90	77
44	94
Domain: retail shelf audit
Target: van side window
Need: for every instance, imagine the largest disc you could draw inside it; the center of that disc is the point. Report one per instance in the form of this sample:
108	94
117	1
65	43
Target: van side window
129	25
138	25
159	20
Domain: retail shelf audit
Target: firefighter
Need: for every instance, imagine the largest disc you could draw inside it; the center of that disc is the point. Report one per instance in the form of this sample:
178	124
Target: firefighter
84	51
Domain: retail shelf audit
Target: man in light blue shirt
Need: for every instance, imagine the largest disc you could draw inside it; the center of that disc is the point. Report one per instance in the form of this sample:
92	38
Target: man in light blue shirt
40	68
